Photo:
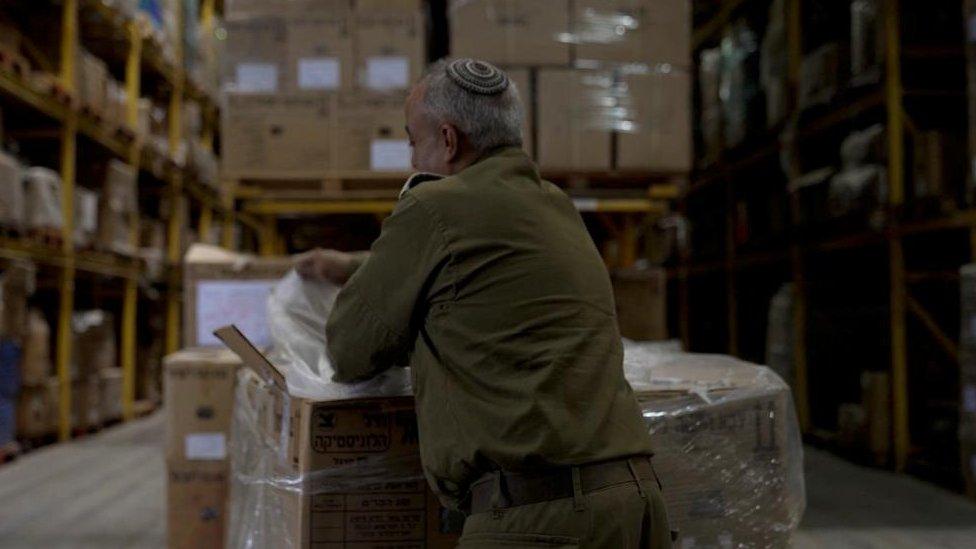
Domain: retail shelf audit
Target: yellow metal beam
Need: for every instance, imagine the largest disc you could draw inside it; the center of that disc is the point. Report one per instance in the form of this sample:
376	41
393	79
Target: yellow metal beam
128	355
175	221
893	99
69	43
67	280
268	237
205	224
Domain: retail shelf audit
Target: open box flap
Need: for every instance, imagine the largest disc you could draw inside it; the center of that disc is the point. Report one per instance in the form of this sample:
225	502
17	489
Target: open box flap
252	357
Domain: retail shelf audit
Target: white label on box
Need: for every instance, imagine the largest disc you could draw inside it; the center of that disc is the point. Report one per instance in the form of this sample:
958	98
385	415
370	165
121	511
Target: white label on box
205	446
241	302
969	398
387	72
257	77
389	154
318	73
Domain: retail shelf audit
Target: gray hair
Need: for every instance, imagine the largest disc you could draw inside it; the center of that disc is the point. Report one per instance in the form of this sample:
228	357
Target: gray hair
488	121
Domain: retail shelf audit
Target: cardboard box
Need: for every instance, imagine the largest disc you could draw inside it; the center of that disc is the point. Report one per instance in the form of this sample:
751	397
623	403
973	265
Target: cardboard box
219	285
661	140
198	392
196	496
11	191
16	284
522	78
328	444
242	9
110	387
255	54
371	128
651	32
641	298
390	48
37	409
277	133
511	32
572	134
118	209
95	346
729	467
92	82
36	366
86	402
320	51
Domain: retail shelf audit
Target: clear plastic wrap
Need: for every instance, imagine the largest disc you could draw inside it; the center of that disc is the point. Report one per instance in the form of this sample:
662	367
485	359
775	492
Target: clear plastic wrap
727	445
86	217
779	335
11	193
118	211
297	314
42	199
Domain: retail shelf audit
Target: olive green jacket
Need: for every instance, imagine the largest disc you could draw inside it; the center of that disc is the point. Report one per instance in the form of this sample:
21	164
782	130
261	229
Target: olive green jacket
489	282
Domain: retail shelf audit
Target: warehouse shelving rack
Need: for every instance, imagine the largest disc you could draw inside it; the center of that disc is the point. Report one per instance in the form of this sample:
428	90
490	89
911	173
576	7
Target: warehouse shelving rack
620	200
887	99
141	58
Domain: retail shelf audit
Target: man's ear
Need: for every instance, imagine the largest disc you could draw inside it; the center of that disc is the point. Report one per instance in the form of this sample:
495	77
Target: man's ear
451	141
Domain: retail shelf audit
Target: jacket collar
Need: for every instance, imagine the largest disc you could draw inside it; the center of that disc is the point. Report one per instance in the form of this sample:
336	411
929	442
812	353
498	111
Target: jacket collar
417	179
514	158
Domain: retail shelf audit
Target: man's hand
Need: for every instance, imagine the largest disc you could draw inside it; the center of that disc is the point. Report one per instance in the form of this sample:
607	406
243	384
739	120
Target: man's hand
325	265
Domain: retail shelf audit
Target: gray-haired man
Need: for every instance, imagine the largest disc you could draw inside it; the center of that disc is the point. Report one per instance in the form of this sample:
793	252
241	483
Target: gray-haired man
487	279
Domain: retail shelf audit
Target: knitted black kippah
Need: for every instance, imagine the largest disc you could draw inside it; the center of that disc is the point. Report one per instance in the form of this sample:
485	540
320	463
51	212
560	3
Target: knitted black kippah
478	76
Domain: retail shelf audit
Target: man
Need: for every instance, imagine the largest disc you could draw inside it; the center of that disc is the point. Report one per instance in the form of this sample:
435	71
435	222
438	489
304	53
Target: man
485	277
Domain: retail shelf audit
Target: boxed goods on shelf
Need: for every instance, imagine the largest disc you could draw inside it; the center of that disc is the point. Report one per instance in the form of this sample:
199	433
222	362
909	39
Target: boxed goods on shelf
92	84
660	137
739	82
221	285
651	32
37	409
511	32
389	46
152	247
727	446
572	131
86	402
867	39
320	51
36	366
118	211
821	75
94	342
709	79
86	217
17	283
110	390
11	193
370	129
42	199
199	400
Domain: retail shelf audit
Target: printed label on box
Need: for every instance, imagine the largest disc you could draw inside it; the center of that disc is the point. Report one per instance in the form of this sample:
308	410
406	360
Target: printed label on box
387	72
318	73
205	446
243	302
389	154
257	77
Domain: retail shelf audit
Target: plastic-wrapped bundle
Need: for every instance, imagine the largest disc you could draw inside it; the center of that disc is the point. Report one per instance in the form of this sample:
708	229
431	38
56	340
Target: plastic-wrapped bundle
42	199
727	446
11	193
860	189
86	217
119	208
779	335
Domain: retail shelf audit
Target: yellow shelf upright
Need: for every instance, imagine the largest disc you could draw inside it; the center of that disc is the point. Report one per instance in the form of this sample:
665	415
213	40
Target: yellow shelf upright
69	48
130	293
896	196
175	222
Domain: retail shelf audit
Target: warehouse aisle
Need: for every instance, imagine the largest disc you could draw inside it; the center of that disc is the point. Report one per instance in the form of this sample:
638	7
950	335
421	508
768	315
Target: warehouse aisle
107	491
104	491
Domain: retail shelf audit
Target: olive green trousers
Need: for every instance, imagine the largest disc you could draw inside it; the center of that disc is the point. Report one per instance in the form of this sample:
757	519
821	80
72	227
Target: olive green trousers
622	516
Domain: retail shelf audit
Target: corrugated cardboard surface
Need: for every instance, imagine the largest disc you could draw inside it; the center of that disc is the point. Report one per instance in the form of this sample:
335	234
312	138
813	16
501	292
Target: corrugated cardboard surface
199	399
660	34
567	136
383	40
511	32
196	495
722	466
268	132
357	463
662	140
362	118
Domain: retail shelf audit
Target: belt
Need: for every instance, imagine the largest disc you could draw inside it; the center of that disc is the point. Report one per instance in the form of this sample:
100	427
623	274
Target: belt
504	489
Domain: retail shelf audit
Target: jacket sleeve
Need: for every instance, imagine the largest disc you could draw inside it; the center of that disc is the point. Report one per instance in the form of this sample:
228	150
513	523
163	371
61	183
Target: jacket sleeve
378	313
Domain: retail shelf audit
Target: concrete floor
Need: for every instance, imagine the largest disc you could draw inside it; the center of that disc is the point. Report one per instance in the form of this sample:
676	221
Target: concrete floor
107	491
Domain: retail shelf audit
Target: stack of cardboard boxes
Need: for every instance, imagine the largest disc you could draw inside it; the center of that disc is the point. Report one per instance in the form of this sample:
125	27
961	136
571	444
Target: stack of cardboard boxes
605	83
317	86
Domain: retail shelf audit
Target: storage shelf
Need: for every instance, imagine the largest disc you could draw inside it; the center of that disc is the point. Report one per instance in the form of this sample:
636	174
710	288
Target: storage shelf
312	204
85	261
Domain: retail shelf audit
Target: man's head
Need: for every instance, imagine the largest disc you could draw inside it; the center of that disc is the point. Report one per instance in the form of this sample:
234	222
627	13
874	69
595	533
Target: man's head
459	111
